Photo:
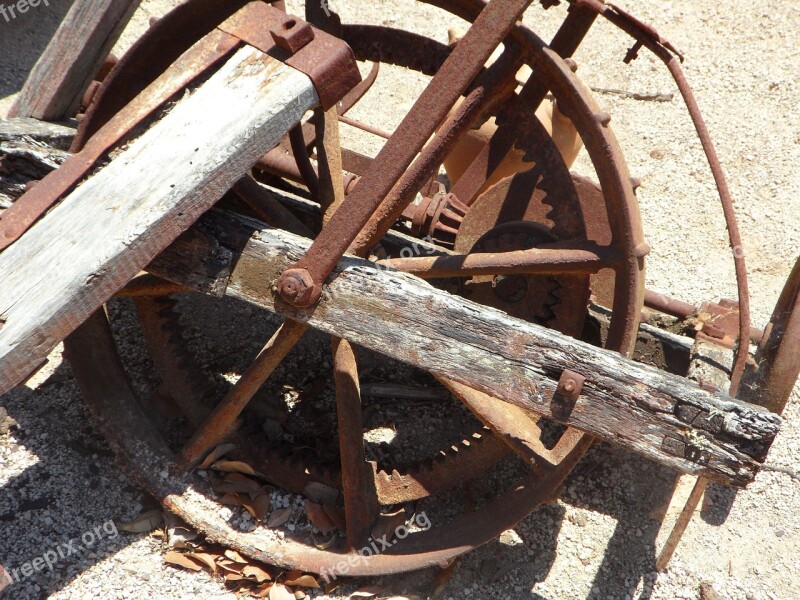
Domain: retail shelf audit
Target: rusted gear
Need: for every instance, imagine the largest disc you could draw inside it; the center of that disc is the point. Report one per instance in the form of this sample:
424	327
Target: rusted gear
288	466
532	298
520	212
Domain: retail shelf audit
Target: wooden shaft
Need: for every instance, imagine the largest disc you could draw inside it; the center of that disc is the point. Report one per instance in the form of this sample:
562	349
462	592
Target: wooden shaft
82	42
662	416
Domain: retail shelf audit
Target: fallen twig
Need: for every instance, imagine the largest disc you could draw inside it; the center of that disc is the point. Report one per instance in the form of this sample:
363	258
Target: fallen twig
646	97
785	470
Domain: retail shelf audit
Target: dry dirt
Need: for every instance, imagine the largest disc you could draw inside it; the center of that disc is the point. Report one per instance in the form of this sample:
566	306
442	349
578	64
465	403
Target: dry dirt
58	481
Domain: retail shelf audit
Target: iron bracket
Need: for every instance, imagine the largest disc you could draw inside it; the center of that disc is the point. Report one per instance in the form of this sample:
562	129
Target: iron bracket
328	61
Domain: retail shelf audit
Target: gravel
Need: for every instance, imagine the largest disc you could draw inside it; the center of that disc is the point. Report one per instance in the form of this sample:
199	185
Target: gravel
58	479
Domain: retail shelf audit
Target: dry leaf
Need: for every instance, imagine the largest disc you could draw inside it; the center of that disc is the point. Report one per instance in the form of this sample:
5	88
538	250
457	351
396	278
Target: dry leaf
262	591
233	466
331	585
236	557
209	560
299	594
257	573
180	537
387	524
216	454
182	560
5	579
301	580
237	483
230	500
366	592
279	517
336	514
258	506
321	493
319	518
148	521
280	592
230	567
6	423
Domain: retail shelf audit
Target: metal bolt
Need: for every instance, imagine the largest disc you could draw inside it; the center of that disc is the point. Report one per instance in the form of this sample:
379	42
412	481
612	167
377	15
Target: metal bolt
569	385
296	286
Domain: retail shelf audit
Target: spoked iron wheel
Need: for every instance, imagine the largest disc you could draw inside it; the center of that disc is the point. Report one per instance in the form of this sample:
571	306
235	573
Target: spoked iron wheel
541	207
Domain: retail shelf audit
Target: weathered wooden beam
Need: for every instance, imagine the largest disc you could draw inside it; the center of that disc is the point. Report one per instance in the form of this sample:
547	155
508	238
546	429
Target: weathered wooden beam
56	135
662	416
82	42
29	150
100	236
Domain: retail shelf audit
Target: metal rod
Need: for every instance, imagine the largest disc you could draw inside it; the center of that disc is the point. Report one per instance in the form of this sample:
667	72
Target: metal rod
223	419
682	523
493	86
329	159
735	238
148	285
303	160
364	127
267	207
458	71
537	261
361	507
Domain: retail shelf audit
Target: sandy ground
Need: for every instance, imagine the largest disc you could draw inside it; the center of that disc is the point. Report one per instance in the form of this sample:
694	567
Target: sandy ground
58	481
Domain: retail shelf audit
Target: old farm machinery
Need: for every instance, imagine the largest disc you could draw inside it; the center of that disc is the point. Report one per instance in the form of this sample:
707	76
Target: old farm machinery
208	163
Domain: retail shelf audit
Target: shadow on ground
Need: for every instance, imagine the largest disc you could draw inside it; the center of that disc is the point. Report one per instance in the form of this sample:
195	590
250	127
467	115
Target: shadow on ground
24	37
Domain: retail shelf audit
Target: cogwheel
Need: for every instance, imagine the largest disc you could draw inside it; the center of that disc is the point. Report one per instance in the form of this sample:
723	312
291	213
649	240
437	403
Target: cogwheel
290	466
524	210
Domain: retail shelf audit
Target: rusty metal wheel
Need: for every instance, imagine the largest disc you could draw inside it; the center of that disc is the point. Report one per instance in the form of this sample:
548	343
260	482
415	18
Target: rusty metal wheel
141	448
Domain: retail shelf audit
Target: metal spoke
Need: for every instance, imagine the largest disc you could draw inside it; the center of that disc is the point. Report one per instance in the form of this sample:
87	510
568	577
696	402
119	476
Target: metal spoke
223	420
361	507
581	257
145	285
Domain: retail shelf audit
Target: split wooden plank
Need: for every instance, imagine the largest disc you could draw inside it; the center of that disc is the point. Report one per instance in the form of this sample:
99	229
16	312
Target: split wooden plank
73	57
662	416
113	225
56	135
25	158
